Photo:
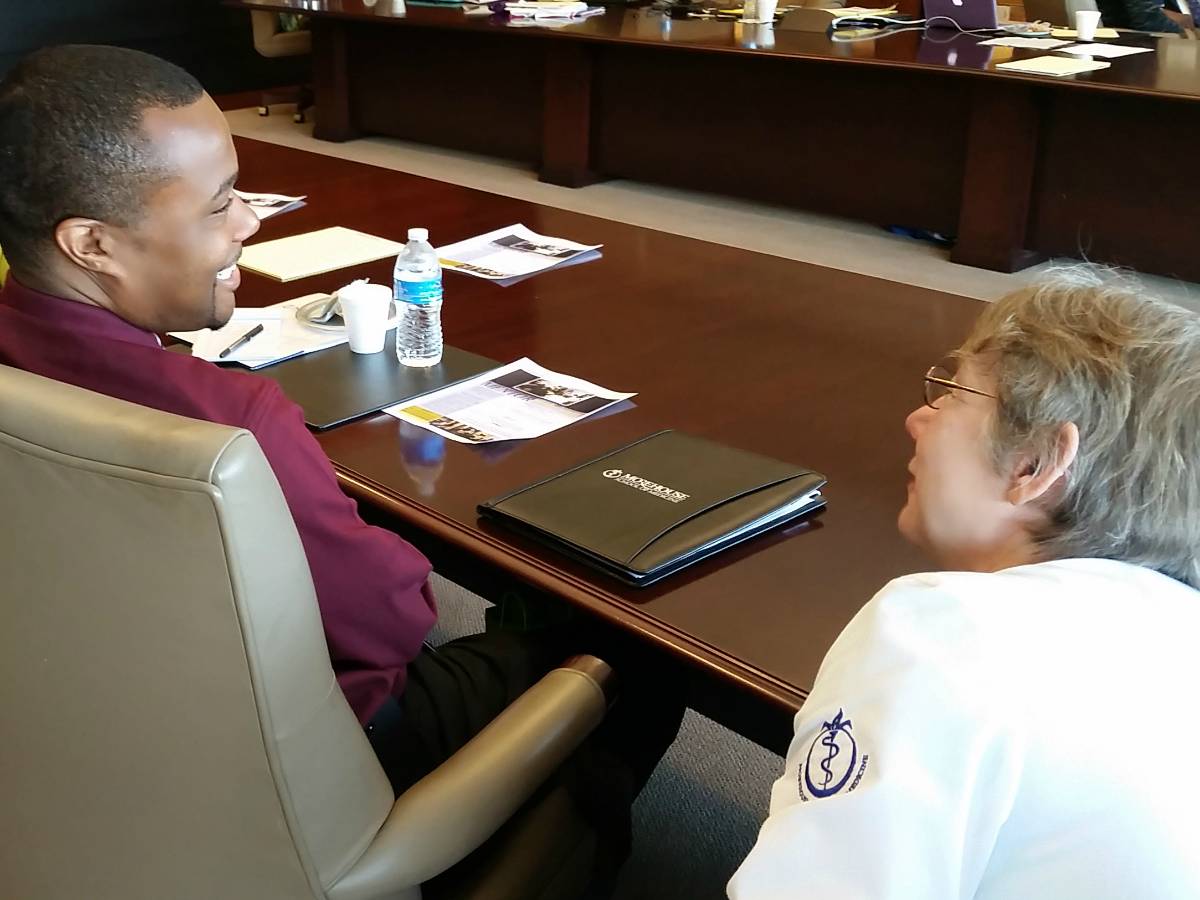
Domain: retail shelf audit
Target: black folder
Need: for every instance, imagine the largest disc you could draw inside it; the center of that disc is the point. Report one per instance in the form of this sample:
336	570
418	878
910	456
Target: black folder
652	507
335	386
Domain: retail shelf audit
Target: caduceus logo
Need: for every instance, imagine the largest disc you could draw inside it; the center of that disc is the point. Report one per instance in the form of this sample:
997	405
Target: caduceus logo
833	755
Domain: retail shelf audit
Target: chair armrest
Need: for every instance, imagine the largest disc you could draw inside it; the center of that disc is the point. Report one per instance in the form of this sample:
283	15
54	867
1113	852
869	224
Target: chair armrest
453	810
264	26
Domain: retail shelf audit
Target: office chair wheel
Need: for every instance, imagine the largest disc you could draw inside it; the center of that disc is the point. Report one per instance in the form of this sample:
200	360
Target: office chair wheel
298	118
264	110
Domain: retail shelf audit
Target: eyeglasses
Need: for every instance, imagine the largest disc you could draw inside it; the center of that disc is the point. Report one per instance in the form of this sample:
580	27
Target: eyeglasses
939	382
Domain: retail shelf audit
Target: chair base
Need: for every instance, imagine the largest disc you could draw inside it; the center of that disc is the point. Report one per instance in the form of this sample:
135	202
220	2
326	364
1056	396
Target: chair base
301	96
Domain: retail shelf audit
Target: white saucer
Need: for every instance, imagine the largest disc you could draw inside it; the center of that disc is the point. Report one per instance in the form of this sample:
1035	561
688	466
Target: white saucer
306	313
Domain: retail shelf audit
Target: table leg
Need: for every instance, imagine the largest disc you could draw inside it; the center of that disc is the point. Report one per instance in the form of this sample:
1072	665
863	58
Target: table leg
331	82
567	116
1002	143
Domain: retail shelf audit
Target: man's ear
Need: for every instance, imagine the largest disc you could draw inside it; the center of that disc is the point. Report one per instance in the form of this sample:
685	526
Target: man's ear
89	244
1032	478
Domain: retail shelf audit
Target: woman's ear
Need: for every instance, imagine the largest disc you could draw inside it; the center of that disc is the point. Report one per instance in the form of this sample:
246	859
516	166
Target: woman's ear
1032	478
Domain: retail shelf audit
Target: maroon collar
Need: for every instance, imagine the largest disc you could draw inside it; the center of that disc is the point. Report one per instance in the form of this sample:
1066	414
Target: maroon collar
73	315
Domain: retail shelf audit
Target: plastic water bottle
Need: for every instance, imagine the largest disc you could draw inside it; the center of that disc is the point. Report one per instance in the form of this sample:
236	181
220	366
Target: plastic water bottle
417	287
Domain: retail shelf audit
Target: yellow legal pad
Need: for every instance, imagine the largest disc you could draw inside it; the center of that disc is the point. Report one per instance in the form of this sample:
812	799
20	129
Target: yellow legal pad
1071	32
314	253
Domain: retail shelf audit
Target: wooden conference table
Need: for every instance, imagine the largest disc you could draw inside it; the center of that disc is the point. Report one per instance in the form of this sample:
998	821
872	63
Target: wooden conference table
912	129
806	364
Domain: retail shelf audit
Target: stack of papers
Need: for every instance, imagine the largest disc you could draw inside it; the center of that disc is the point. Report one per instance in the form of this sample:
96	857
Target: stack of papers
282	336
857	11
315	253
1056	66
1111	51
266	205
1028	43
1072	33
545	9
513	252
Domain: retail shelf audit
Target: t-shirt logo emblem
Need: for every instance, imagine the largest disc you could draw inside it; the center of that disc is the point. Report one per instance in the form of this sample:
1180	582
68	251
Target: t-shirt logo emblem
831	758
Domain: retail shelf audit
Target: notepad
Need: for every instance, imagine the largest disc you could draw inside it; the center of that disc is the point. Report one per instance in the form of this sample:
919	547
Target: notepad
314	253
1110	51
1027	43
1072	33
282	337
1055	66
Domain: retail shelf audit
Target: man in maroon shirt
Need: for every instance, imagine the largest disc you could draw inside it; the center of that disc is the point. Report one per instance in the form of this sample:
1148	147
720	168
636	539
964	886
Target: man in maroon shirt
143	243
119	221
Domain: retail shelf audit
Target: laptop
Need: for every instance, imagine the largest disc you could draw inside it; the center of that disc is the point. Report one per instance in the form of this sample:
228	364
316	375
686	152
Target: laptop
961	15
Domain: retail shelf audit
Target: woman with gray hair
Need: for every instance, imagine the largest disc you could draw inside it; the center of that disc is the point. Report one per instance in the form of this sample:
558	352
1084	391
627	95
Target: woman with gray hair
1023	723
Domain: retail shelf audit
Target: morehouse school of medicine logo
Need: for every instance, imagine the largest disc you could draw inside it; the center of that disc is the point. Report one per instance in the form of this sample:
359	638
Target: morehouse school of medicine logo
657	490
832	760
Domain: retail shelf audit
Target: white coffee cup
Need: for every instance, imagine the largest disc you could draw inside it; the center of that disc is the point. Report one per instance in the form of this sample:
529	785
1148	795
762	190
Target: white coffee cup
366	309
1086	21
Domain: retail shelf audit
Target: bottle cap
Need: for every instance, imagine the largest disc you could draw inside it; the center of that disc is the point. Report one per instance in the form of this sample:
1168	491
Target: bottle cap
418	234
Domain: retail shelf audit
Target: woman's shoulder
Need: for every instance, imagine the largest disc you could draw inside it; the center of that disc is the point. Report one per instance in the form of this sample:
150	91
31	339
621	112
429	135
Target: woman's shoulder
975	620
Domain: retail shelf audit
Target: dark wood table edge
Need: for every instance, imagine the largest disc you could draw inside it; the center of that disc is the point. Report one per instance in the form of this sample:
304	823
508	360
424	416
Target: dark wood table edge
773	693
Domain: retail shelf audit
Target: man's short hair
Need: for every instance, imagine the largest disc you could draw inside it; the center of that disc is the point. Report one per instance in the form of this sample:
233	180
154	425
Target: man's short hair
72	142
1089	346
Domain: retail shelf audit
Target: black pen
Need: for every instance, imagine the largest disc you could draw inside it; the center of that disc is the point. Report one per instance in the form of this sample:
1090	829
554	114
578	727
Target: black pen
242	341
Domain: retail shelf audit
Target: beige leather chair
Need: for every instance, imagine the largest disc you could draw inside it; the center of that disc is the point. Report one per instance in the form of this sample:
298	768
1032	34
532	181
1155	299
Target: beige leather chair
273	42
170	726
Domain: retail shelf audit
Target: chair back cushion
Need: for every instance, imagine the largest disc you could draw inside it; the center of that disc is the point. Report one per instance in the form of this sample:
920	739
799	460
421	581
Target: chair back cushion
171	724
272	41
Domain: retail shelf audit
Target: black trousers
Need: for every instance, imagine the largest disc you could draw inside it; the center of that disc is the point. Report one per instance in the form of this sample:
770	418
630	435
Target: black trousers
454	691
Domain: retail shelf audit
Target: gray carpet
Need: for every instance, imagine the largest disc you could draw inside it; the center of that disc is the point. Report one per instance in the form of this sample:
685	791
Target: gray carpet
698	816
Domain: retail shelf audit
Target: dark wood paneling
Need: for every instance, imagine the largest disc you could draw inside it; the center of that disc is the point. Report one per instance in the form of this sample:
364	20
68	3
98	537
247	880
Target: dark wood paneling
835	139
1002	145
465	91
567	102
1116	183
331	82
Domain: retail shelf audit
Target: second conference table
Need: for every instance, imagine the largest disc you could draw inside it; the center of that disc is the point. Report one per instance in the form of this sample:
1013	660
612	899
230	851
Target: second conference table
809	365
915	129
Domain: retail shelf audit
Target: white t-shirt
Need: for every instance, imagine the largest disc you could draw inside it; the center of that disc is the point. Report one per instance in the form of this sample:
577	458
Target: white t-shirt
1026	734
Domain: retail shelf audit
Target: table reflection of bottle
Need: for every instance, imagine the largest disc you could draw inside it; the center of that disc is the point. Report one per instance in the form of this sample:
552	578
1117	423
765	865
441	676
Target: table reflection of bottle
423	454
760	36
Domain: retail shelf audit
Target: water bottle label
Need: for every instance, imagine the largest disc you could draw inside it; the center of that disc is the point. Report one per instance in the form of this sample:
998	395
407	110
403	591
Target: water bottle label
419	292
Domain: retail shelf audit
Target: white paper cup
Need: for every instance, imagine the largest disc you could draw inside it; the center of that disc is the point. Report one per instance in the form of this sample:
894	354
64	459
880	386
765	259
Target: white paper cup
365	310
1086	21
759	10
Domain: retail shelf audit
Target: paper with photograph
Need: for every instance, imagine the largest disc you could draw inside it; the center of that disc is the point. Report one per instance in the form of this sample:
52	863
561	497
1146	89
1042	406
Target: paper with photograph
517	401
266	205
510	252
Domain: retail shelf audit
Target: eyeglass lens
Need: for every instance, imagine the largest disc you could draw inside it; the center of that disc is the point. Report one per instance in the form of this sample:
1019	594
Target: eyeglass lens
934	391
